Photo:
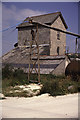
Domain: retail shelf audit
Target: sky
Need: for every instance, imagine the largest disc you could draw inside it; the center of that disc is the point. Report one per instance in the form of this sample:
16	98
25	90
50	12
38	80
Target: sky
15	12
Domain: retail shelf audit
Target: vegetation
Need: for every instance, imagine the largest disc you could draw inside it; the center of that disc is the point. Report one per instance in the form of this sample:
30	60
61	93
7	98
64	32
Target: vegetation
59	85
11	78
54	85
74	55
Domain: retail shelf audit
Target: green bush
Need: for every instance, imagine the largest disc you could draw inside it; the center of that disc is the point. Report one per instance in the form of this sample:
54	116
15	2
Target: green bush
54	85
58	85
7	71
34	77
20	77
11	77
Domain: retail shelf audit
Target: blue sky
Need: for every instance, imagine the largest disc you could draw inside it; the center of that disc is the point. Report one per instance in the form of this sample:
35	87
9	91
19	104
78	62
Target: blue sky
14	12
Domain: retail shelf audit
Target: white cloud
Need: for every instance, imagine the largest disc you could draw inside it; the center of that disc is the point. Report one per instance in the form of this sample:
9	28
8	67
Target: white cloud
13	15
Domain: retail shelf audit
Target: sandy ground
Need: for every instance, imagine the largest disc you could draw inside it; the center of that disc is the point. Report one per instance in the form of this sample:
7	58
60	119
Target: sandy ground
43	106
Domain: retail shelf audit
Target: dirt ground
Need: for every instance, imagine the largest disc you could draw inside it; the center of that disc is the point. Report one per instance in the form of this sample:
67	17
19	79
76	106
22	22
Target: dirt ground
43	106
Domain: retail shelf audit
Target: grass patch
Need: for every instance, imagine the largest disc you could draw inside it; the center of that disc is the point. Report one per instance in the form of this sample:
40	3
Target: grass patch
54	85
17	94
11	78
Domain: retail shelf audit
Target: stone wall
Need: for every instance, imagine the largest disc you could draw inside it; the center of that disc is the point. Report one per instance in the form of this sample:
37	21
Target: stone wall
45	36
56	42
24	35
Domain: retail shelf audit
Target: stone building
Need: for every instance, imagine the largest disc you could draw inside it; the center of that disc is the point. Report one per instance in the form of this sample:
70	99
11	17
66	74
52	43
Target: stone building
56	40
52	45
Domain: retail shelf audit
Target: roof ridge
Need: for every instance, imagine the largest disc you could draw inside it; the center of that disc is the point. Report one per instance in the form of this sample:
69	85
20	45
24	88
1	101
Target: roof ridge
46	18
44	15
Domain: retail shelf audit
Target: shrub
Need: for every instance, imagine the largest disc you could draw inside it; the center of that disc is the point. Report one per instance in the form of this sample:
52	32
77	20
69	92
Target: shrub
12	77
20	77
7	71
54	85
58	85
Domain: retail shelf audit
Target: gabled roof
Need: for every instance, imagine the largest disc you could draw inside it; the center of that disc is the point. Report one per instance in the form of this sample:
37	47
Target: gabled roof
46	18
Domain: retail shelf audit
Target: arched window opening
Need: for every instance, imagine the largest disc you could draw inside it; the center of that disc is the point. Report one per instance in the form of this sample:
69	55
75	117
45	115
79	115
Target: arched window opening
58	50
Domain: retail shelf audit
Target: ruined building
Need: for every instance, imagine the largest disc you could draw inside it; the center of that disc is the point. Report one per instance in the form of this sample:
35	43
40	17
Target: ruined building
56	40
52	44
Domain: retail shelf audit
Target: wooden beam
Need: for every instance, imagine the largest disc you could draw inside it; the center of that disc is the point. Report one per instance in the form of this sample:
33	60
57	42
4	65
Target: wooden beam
56	29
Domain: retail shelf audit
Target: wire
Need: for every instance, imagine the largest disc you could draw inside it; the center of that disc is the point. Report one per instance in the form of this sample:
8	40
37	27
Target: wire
13	26
9	32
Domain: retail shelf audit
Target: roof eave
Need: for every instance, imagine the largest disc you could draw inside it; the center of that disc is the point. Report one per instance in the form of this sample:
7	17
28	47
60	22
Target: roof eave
64	21
61	19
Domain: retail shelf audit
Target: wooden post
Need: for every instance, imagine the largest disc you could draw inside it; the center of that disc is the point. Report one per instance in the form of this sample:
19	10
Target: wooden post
38	55
76	46
30	52
30	57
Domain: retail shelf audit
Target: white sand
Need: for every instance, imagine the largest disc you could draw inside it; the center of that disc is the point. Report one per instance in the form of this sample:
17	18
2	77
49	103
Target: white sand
43	106
31	87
